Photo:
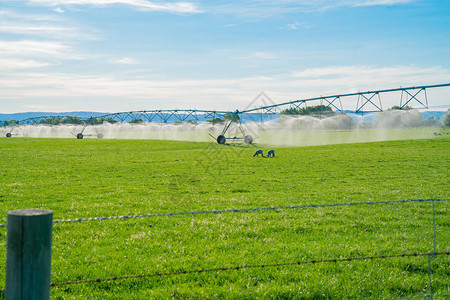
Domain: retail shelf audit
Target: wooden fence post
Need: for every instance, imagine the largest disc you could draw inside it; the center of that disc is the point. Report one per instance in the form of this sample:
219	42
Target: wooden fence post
28	254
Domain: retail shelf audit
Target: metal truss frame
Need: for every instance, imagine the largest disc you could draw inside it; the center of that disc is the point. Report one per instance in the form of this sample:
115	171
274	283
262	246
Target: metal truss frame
410	97
365	99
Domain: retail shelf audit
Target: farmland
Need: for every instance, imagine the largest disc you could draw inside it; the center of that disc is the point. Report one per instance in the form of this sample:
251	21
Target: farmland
94	178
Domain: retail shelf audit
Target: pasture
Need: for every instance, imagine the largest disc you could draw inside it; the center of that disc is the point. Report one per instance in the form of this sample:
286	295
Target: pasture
95	178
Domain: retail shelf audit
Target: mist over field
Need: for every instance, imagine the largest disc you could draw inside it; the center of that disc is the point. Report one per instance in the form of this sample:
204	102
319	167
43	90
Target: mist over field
287	130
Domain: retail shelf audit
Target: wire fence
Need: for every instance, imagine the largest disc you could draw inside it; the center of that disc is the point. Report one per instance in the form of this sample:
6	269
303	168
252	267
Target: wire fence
431	255
237	268
241	210
334	260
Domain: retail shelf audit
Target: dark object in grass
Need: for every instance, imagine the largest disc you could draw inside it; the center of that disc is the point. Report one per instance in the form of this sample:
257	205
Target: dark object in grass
8	134
248	139
79	136
258	152
271	153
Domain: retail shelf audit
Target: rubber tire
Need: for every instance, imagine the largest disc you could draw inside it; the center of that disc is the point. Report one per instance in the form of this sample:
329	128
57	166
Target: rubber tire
8	134
221	139
100	135
248	139
80	136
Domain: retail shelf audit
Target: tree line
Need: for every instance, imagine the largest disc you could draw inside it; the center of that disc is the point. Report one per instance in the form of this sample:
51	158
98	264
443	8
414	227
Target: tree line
65	120
310	110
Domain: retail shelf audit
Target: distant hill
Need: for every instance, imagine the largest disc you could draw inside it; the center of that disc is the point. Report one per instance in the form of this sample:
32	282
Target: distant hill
428	114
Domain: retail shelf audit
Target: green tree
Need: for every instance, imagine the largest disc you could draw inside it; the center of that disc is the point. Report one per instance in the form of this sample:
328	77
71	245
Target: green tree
72	120
192	122
431	122
10	123
232	116
95	121
135	121
291	111
101	120
396	107
110	120
310	110
215	121
51	121
447	118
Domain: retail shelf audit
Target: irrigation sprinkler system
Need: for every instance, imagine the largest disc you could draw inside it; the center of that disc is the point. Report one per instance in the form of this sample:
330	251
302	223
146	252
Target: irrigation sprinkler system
80	135
221	139
366	102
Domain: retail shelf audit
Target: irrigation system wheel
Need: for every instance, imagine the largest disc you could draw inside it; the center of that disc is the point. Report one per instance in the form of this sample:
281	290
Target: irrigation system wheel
79	136
100	135
221	139
248	139
8	134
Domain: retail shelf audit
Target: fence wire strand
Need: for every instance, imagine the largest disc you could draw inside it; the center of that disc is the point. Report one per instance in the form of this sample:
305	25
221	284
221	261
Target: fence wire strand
419	297
335	260
239	210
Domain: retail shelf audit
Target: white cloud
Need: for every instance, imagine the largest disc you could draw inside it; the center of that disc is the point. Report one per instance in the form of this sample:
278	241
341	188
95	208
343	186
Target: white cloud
380	2
33	48
263	55
258	55
109	92
293	26
53	27
32	107
176	7
31	29
297	25
126	61
14	64
59	10
8	14
258	9
363	72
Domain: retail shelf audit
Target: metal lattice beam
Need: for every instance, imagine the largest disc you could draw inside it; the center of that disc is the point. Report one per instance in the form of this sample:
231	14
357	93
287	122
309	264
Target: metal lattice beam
409	97
367	98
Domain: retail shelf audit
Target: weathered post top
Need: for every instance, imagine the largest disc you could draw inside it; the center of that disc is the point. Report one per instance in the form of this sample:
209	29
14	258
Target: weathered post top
30	212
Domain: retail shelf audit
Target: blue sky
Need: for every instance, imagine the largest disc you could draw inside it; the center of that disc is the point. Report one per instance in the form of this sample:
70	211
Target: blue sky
120	55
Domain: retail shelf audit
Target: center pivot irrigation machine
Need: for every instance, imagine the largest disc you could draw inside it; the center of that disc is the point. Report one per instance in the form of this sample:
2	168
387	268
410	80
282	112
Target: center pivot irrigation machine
221	139
81	134
366	102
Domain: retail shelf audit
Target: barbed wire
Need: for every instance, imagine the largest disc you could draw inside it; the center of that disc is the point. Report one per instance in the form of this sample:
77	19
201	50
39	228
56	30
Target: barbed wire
237	210
334	260
419	297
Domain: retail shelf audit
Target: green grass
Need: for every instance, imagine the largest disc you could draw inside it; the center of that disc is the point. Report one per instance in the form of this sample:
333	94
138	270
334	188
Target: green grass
92	178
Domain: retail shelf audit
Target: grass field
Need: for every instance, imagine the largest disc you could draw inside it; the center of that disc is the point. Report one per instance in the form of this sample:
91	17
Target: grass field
92	178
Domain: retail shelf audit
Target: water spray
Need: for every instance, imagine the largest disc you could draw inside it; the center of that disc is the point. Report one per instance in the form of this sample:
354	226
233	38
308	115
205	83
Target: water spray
141	124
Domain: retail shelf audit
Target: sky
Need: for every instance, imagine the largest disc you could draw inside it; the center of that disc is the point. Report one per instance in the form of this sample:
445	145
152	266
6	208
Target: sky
122	55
